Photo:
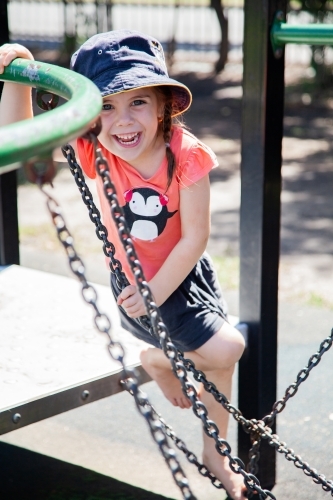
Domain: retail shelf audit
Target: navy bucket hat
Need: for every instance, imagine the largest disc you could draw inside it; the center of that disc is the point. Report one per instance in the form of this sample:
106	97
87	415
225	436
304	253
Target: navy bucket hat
123	60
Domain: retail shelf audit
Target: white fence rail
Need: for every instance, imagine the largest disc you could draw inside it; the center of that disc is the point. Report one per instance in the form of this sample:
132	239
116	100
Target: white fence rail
44	25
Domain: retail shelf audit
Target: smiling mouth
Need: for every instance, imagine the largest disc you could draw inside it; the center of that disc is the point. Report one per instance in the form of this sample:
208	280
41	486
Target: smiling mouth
128	139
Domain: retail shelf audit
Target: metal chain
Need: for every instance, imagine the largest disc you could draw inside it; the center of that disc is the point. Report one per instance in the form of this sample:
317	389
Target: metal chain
101	231
180	365
254	453
175	357
261	428
95	216
273	440
280	405
115	266
191	457
116	350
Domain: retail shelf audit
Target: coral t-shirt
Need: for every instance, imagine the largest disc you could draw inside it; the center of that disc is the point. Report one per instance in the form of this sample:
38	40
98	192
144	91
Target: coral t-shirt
153	217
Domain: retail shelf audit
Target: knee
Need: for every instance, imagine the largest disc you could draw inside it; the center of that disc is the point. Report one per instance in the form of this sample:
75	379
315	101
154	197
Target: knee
229	347
238	346
146	357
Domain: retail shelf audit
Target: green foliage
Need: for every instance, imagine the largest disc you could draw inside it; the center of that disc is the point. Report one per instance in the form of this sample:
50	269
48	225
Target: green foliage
316	7
227	268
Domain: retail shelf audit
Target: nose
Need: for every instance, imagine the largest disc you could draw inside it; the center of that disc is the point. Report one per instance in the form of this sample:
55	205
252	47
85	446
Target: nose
124	117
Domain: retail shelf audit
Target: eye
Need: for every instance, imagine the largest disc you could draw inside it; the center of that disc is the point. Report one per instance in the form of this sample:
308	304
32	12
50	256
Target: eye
107	106
138	102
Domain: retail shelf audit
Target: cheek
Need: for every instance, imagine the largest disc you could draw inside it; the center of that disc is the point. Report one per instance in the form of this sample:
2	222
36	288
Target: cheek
104	136
155	126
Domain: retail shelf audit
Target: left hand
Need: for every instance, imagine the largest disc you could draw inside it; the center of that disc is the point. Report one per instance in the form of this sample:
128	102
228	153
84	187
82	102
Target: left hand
132	302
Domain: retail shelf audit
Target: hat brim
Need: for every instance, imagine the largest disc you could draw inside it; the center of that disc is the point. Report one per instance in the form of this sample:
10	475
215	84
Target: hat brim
114	82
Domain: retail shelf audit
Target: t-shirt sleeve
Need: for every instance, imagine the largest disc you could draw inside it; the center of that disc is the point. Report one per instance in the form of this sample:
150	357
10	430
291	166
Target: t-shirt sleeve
86	157
200	161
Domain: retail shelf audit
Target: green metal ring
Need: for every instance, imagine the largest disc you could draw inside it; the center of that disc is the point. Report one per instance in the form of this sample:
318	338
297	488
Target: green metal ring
30	138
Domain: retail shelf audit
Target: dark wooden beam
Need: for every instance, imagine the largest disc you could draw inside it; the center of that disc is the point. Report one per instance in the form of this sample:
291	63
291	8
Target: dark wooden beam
262	131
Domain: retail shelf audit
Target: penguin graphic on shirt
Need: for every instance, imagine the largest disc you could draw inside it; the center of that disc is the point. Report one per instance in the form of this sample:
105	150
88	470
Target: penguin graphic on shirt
146	212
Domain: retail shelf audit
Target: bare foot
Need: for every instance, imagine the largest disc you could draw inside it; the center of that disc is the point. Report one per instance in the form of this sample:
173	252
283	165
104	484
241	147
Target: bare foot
233	483
165	378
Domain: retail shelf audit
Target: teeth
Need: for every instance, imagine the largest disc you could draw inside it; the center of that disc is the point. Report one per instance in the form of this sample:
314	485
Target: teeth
127	138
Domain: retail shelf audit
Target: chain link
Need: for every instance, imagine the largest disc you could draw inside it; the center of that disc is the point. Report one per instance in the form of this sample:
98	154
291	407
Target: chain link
116	350
254	453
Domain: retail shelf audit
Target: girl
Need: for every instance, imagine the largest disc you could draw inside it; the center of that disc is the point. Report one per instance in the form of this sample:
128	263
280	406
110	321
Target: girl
161	173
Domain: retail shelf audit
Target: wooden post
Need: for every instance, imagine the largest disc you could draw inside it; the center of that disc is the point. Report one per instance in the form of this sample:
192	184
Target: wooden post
262	130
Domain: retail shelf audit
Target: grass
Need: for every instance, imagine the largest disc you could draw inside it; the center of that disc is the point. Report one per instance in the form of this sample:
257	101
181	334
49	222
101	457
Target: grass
227	268
44	237
317	300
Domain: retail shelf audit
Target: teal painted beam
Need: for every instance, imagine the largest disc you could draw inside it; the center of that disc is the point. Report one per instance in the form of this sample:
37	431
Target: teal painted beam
310	34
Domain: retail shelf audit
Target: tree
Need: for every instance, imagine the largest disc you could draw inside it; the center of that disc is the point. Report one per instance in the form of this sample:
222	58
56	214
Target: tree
217	5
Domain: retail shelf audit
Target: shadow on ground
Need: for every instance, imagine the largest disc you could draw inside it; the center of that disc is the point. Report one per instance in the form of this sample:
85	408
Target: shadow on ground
26	475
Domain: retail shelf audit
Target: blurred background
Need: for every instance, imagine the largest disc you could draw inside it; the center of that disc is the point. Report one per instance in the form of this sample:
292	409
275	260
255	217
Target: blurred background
197	35
203	41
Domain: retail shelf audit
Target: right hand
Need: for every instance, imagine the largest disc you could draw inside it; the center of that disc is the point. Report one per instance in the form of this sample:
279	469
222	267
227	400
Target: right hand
10	51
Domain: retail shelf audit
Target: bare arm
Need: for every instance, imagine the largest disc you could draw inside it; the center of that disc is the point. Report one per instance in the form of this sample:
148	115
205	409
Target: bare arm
195	226
16	103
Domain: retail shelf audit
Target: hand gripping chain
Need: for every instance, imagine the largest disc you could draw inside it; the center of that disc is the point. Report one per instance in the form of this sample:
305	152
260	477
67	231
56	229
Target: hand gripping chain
116	268
175	357
257	429
116	350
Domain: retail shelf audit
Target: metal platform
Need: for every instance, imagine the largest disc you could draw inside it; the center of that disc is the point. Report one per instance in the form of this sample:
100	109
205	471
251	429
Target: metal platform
52	359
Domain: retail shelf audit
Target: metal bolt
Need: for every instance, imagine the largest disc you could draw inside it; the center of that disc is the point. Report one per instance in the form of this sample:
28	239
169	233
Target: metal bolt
278	53
85	394
279	16
16	418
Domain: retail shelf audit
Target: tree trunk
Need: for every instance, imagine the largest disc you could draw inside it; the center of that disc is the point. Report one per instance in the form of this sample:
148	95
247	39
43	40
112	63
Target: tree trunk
223	22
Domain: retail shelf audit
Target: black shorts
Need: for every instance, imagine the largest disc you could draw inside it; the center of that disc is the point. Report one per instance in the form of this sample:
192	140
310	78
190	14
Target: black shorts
192	314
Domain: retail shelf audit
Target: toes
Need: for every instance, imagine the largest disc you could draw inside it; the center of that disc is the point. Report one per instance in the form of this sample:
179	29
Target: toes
182	403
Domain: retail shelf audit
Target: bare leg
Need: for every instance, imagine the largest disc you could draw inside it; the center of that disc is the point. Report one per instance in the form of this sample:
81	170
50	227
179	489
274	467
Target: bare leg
159	368
219	465
217	359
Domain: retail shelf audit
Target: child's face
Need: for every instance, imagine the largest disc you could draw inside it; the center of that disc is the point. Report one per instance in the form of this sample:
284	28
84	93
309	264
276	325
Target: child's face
130	125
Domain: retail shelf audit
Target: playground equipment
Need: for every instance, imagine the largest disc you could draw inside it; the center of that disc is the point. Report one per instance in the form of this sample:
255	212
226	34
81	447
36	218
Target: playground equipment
311	34
261	141
265	149
24	140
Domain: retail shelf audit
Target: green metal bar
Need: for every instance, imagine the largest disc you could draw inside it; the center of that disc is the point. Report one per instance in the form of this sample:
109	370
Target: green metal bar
30	138
311	34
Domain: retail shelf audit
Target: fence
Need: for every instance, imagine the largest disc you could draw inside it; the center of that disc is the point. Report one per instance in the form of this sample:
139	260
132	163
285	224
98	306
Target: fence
189	30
